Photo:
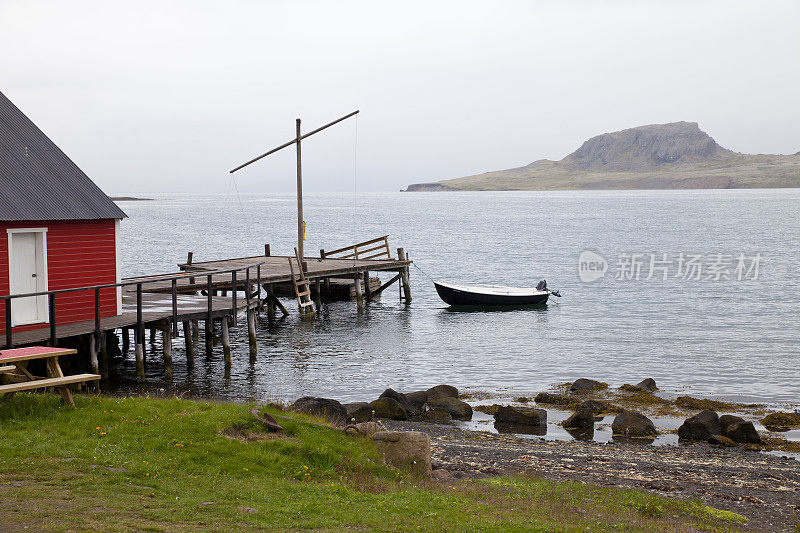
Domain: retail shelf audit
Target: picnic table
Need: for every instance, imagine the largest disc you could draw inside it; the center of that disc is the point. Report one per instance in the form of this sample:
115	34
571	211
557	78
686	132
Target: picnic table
13	369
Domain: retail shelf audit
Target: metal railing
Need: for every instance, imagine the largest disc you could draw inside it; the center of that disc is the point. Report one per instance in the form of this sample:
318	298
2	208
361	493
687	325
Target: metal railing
139	283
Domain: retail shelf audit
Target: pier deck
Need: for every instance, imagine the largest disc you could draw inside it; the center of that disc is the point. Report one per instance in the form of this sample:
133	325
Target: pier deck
155	308
157	299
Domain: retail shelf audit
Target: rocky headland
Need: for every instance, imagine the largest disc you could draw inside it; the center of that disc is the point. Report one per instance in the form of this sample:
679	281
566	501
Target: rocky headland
677	155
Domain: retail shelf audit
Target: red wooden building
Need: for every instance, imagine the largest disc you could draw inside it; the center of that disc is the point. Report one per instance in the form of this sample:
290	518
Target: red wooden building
58	230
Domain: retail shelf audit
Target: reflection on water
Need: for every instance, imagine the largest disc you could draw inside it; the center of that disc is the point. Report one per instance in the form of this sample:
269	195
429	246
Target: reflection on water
732	339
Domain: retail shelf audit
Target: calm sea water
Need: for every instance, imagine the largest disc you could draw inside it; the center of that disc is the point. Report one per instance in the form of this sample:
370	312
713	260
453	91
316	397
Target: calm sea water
735	339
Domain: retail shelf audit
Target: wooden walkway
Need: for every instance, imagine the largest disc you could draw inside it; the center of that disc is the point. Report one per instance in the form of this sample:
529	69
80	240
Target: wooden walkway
157	299
156	308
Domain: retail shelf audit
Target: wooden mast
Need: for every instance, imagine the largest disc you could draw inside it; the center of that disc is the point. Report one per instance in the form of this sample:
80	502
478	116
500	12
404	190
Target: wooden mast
300	223
296	140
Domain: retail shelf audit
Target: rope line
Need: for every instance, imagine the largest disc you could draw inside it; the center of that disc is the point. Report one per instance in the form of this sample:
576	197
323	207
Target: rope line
423	272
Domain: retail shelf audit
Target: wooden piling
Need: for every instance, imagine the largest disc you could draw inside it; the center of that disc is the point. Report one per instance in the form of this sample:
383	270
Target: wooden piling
166	338
226	343
93	354
359	293
104	363
404	278
251	331
139	348
187	337
195	331
126	340
209	322
367	291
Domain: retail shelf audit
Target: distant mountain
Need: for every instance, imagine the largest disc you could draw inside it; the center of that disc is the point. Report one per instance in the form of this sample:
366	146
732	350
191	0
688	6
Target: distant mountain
678	155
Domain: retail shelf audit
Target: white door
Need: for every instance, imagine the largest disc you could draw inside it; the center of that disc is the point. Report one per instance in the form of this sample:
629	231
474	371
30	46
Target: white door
27	274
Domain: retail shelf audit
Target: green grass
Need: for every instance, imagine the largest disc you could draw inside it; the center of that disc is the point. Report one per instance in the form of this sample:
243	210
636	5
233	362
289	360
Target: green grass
170	464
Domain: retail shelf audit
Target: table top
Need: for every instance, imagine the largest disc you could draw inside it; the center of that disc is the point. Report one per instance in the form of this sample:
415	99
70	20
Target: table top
33	352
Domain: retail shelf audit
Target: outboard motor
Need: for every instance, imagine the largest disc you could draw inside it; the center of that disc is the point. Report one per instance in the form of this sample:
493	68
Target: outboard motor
542	286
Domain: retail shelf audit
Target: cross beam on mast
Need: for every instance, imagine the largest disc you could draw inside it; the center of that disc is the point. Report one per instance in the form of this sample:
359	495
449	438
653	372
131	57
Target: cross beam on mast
296	140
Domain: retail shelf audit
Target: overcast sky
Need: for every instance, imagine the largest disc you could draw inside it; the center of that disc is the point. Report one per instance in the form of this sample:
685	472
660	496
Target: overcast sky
169	96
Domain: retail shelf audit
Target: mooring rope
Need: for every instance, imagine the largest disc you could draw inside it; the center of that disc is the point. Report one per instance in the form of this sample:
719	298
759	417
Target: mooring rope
423	272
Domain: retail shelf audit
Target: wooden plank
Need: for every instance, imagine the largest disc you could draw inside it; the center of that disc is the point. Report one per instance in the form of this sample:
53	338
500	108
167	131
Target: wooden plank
48	382
388	283
371	241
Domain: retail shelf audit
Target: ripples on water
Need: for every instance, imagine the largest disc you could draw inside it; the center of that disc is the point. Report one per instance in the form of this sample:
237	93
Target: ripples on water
738	340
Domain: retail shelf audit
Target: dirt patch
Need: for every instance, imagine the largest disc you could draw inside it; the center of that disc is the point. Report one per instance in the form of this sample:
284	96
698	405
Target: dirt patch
245	434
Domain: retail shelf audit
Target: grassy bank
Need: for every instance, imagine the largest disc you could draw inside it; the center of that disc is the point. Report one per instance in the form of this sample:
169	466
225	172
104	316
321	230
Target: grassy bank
166	465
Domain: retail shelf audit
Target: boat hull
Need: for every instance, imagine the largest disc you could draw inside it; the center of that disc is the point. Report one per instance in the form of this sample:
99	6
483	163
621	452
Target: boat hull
456	297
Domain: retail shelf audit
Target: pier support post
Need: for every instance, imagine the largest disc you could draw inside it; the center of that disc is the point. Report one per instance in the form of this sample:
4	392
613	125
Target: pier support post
187	337
270	301
209	327
251	331
166	337
195	331
318	296
359	293
226	343
104	366
139	348
327	289
126	340
93	354
367	291
152	335
404	277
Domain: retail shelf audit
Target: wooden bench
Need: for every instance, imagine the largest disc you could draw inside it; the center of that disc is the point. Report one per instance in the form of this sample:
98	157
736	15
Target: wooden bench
24	380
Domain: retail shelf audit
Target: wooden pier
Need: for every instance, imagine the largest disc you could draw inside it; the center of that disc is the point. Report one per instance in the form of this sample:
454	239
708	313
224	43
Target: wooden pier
213	292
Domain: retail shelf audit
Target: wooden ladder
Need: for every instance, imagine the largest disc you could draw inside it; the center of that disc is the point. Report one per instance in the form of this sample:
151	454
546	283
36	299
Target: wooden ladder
304	302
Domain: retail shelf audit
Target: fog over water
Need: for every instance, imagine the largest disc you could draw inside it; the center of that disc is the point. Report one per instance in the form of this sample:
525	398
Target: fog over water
168	96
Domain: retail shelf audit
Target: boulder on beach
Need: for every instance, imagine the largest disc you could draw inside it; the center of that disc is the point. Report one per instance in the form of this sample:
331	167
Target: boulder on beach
721	440
441	391
405	449
700	426
725	421
648	384
389	408
633	425
436	414
582	419
359	411
458	410
743	433
525	416
555	399
327	408
400	398
416	402
581	385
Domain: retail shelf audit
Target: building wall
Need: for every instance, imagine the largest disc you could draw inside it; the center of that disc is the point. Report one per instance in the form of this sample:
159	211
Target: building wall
80	253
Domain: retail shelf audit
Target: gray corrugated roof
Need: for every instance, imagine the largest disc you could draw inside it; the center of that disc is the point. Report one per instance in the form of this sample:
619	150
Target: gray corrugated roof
38	181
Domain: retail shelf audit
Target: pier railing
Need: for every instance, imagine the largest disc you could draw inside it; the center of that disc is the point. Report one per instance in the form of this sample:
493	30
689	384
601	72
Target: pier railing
373	249
140	283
